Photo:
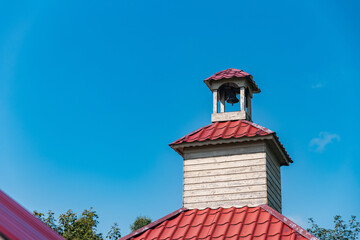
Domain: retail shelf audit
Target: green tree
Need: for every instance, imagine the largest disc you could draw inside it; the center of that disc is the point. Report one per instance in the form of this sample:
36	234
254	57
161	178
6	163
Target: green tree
74	227
114	232
139	223
341	230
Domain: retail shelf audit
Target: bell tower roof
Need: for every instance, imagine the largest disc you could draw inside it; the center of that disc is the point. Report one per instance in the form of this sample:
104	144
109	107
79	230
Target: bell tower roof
232	73
231	132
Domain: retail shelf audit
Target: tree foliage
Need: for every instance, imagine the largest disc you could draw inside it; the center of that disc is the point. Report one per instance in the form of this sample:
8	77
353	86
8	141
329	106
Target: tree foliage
114	232
74	227
139	223
341	230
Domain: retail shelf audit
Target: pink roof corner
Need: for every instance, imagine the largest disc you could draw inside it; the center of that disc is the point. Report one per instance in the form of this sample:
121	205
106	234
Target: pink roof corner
16	223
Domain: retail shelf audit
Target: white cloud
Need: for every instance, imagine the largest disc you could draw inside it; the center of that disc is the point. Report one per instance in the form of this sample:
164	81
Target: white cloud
324	139
318	85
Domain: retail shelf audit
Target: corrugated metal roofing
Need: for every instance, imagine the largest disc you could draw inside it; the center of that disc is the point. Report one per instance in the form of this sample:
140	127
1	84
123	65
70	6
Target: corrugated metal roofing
224	130
16	223
227	130
246	223
228	73
232	73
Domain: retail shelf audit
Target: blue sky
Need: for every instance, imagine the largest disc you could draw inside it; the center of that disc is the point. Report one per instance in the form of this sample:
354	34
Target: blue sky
92	93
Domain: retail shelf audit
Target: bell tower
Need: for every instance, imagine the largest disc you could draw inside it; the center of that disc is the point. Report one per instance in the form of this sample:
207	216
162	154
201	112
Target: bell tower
231	162
226	86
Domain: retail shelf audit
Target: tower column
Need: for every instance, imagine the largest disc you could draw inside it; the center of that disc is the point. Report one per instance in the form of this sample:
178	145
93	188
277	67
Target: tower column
242	99
249	107
222	103
215	101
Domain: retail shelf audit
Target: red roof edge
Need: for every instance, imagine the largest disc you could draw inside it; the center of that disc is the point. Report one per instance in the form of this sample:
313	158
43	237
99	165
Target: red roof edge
231	73
265	131
21	224
153	224
193	132
288	222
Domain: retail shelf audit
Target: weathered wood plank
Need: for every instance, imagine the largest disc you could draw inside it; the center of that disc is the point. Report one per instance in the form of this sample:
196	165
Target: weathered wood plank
273	158
227	204
227	190
224	171
221	165
273	191
273	166
275	181
274	203
229	184
226	158
222	178
275	185
274	173
224	197
223	150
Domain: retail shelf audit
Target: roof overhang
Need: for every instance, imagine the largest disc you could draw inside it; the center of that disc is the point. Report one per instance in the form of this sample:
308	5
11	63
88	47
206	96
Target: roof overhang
248	79
271	140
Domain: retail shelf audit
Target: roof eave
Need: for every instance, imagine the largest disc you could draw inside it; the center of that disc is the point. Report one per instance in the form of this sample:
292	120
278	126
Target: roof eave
179	148
255	88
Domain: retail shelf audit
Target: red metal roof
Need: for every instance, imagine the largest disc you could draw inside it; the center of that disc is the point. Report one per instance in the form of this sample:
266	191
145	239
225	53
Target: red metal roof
224	130
16	223
232	73
227	130
228	73
246	223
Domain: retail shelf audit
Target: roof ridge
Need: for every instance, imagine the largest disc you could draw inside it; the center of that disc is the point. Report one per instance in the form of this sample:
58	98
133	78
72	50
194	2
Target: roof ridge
259	127
288	222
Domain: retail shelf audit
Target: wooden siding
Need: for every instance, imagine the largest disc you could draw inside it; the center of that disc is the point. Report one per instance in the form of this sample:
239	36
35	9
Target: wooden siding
231	175
232	180
273	181
227	204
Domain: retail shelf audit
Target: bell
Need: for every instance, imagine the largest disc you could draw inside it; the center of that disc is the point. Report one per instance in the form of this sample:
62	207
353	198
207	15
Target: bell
232	98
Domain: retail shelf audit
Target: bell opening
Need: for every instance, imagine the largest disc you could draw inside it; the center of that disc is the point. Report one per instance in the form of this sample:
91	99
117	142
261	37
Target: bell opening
229	97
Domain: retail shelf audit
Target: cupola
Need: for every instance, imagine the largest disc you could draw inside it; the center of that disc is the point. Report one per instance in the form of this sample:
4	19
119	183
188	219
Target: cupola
231	86
231	162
